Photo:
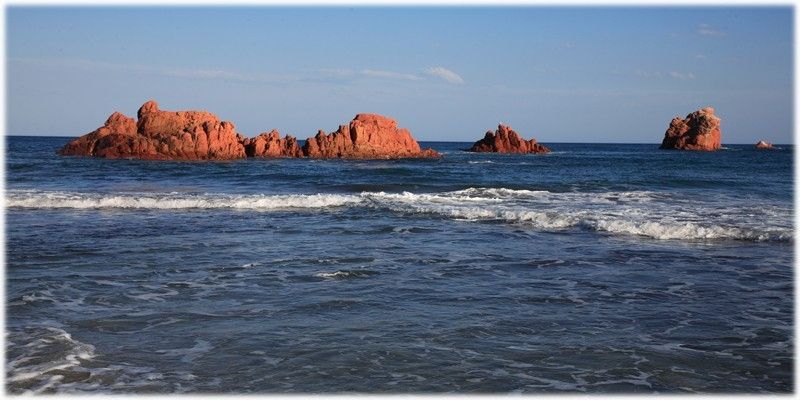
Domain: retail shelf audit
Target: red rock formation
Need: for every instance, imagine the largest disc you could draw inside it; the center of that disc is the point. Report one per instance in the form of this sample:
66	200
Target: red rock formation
270	145
200	135
118	128
764	145
367	136
698	131
161	135
506	140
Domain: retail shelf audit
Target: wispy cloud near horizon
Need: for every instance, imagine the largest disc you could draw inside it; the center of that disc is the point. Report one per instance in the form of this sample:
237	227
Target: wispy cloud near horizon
681	75
445	74
658	74
314	75
175	72
371	73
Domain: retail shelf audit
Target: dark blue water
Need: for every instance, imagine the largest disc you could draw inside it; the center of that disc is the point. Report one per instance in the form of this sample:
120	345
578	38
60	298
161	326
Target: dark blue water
596	268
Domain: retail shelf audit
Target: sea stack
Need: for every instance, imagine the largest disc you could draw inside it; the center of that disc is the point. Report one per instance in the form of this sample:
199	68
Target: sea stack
367	136
270	145
506	140
763	145
161	135
700	130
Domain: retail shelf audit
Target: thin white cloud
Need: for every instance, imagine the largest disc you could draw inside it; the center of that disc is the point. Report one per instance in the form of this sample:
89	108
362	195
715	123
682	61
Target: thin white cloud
208	74
681	75
187	73
700	56
346	74
318	75
708	30
342	72
371	73
445	74
658	74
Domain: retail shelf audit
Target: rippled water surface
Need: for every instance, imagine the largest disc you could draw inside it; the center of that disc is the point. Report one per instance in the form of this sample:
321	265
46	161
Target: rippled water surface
596	268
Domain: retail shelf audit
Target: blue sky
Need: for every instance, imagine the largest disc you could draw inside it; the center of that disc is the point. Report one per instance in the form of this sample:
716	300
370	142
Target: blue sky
569	74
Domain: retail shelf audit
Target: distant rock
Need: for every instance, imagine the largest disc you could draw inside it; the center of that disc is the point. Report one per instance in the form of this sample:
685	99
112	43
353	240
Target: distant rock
270	145
700	130
161	135
764	145
506	140
368	136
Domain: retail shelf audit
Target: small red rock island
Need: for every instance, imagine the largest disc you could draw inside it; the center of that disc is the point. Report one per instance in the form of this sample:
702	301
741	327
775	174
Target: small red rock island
506	140
367	136
698	131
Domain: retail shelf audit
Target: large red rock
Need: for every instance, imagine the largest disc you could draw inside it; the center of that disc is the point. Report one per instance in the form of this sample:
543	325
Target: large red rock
762	145
270	145
700	130
506	140
161	135
367	136
200	135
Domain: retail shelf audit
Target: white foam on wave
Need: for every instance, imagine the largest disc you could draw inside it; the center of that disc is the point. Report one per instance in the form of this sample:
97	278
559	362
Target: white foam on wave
47	351
653	214
649	214
46	358
686	230
345	274
498	193
333	275
173	201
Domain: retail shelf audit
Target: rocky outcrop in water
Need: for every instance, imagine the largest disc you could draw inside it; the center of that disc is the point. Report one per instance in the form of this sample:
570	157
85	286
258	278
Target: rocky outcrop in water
506	140
366	136
270	145
762	145
200	135
161	135
103	141
700	130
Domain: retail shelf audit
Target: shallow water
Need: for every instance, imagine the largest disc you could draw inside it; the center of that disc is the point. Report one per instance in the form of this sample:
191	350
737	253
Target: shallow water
596	268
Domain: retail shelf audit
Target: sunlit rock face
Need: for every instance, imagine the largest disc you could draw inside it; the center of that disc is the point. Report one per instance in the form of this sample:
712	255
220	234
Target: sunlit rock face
506	140
366	136
161	135
700	130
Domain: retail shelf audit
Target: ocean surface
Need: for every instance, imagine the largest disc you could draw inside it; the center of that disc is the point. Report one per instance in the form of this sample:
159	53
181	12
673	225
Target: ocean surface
596	268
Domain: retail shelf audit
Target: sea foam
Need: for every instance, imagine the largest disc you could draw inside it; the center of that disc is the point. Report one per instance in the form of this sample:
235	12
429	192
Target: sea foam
173	201
47	352
652	214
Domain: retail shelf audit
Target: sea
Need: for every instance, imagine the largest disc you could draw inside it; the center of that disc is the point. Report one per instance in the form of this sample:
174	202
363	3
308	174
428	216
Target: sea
597	268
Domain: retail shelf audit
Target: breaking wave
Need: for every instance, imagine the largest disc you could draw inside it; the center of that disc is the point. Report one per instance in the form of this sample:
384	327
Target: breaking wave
172	201
48	356
47	359
346	274
657	215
